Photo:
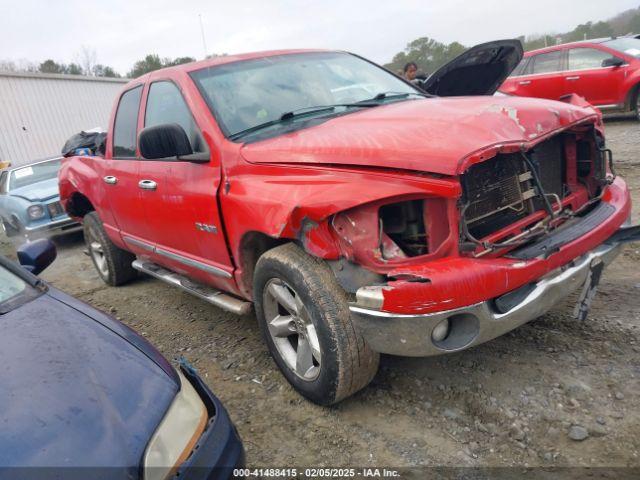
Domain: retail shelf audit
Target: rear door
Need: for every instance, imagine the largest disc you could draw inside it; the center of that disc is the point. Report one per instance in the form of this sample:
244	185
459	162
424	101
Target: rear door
119	175
179	198
588	78
543	76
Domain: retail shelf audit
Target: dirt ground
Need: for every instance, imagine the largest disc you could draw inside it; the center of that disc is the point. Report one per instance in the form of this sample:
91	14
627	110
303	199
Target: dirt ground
512	401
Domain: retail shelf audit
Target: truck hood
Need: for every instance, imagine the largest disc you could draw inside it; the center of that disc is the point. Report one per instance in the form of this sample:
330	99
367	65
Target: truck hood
478	71
75	393
430	135
37	192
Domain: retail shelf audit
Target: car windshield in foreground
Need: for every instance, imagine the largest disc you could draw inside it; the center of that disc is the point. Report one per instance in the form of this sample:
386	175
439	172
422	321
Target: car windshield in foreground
38	172
628	45
11	288
251	95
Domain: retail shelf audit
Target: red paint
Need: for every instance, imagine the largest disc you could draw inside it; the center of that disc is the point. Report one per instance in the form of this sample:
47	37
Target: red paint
305	186
599	86
438	135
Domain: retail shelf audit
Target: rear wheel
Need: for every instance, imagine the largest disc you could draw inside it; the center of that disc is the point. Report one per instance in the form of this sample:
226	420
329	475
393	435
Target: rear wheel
304	318
635	102
112	263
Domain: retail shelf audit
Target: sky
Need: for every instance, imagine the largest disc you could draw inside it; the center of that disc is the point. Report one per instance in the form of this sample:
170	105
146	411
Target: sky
121	32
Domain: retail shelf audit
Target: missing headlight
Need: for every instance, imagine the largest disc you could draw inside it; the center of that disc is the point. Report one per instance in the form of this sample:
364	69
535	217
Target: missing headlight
404	223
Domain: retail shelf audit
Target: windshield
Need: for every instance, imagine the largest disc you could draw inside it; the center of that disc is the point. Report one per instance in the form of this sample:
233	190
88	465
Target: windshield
628	45
245	94
21	177
11	286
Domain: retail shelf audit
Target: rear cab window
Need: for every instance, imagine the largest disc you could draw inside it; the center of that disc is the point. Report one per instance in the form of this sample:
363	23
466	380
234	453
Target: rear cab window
125	127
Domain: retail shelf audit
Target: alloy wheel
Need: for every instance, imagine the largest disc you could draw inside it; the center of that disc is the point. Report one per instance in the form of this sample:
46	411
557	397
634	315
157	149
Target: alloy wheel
291	329
96	250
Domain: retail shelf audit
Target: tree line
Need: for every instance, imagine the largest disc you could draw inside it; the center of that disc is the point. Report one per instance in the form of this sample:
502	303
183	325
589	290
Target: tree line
87	65
429	54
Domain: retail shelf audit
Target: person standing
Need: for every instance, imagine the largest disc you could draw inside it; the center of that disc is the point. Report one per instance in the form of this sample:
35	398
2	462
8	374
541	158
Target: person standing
410	71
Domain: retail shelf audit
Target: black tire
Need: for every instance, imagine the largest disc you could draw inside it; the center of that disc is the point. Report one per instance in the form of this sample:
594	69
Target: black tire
10	230
112	263
348	363
636	103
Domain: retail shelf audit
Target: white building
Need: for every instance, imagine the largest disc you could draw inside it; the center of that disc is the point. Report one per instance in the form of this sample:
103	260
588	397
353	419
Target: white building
39	112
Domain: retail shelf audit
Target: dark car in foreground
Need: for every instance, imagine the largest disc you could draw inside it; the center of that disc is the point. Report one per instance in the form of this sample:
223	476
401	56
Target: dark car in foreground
83	396
30	202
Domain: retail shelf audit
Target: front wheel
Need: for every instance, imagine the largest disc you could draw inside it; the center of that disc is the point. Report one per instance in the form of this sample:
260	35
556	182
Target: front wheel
9	229
112	263
304	318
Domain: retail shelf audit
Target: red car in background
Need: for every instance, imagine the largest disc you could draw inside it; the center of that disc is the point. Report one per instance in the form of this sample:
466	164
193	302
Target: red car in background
606	72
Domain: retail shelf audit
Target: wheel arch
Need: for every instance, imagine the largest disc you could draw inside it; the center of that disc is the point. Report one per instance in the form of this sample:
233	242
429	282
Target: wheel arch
632	94
252	246
79	205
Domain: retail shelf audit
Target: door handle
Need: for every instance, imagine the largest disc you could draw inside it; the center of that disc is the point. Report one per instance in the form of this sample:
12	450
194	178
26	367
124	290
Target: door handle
147	184
577	77
110	179
525	82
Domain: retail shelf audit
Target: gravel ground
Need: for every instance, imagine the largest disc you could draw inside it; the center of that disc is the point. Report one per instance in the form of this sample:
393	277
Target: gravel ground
555	392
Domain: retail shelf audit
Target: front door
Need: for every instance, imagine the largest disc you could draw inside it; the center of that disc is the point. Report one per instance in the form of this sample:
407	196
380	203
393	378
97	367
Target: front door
180	198
588	78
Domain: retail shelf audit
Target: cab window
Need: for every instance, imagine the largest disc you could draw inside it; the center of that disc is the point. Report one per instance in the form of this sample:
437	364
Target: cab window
166	105
546	62
586	58
126	123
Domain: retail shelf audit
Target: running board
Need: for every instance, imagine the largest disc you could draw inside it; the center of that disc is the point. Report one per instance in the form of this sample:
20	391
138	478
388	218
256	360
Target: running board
208	294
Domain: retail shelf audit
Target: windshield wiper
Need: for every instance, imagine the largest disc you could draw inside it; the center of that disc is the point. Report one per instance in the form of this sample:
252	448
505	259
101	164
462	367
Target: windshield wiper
306	111
300	112
391	95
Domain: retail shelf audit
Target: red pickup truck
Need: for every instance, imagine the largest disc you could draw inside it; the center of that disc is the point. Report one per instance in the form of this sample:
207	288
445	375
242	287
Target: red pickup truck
356	213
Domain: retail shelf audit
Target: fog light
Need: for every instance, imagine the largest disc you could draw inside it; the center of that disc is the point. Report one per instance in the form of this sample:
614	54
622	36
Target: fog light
35	212
440	331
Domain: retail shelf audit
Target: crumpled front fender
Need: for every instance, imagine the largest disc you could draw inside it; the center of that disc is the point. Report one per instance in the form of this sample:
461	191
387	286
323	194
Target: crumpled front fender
296	203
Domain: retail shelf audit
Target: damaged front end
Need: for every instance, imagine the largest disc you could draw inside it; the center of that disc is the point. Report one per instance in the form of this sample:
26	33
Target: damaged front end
519	196
531	224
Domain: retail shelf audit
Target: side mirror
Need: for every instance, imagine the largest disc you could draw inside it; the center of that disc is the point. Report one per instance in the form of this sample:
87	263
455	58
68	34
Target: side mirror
612	62
164	141
37	255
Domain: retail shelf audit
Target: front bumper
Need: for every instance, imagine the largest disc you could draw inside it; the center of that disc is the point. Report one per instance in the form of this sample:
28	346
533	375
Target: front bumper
219	450
412	335
63	225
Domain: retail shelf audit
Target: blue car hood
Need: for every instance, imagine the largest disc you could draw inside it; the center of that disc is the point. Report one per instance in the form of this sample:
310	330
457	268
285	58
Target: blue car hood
38	192
74	392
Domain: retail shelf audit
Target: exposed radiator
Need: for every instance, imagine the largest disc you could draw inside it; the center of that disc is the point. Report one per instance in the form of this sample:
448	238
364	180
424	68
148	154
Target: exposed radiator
501	191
